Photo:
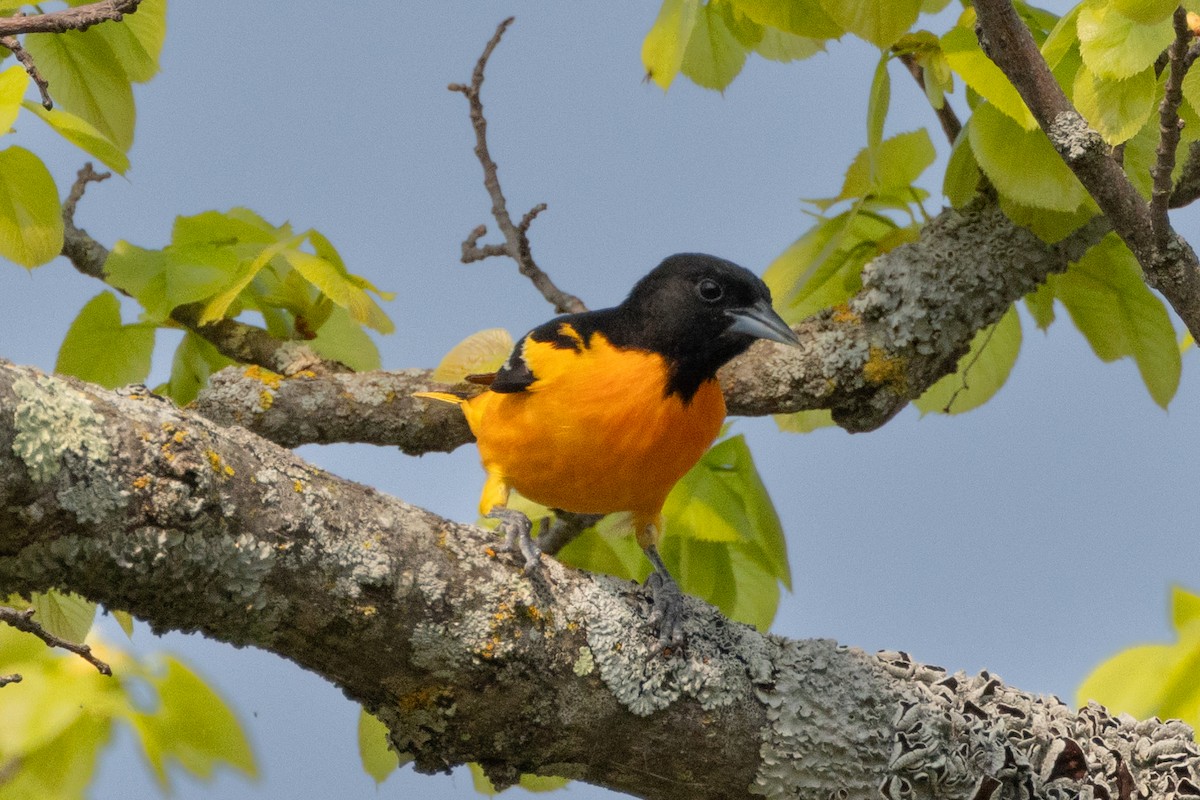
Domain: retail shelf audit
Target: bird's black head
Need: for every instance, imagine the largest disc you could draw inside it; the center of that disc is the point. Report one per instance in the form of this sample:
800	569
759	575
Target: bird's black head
700	311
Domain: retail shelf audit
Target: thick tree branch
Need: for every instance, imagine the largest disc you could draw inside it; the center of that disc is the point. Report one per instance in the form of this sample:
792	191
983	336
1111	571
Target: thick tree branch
193	527
236	340
920	306
1168	262
516	237
79	18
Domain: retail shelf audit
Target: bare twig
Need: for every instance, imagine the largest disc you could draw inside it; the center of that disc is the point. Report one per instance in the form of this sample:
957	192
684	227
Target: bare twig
22	55
951	125
1187	187
1169	125
79	18
5	680
236	340
23	621
516	239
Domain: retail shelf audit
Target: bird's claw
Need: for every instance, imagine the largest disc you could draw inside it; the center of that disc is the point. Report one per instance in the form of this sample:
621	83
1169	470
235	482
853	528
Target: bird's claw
517	529
668	613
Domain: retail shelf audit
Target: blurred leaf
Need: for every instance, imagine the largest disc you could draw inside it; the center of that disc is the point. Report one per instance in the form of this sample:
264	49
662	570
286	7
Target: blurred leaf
961	48
608	547
64	614
87	79
13	82
99	349
137	41
125	620
1113	45
63	767
192	726
481	352
664	46
799	17
1185	608
31	226
981	372
1110	304
195	360
1116	108
1039	178
713	56
342	339
804	421
83	135
377	758
530	783
880	22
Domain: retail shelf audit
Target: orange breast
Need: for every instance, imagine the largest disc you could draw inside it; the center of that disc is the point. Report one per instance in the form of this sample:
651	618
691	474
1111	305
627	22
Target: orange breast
594	433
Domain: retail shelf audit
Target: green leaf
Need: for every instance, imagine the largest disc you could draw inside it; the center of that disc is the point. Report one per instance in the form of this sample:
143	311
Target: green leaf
880	22
1130	682
782	46
1146	11
83	135
377	758
13	82
898	162
799	17
62	767
1040	303
99	349
31	226
330	277
804	421
981	372
1108	301
195	360
192	726
1114	46
64	614
1062	38
215	309
138	39
878	100
125	620
961	48
342	339
87	79
1049	226
1039	178
530	783
1185	608
961	182
1116	108
230	227
664	46
713	56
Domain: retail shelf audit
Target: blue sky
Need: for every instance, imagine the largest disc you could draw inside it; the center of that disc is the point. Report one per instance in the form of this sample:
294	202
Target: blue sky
1032	537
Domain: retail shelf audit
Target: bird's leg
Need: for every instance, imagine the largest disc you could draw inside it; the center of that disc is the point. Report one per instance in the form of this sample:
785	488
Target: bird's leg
668	611
517	529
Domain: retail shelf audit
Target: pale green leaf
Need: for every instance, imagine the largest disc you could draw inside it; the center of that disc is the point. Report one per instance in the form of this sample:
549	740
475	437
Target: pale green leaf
981	372
192	727
99	349
481	352
87	79
195	360
804	421
338	286
1117	109
530	783
878	100
1049	226
63	767
800	17
664	46
933	6
342	339
1108	301
215	308
1185	608
713	56
1146	11
13	82
898	162
778	45
1114	46
880	22
961	181
378	760
599	550
64	614
83	135
961	48
1131	681
1040	303
31	226
125	620
1039	178
237	225
138	39
1062	38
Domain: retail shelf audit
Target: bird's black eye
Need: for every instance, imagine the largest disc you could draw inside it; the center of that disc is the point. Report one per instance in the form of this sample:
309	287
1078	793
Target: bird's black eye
709	290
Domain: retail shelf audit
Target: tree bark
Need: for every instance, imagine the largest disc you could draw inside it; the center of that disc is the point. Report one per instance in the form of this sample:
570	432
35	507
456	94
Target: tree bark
195	527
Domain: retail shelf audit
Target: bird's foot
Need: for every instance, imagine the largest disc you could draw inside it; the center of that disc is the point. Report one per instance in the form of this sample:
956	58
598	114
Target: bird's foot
517	529
669	612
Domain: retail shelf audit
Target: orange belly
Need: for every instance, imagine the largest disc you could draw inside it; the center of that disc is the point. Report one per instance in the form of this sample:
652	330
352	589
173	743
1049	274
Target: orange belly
595	434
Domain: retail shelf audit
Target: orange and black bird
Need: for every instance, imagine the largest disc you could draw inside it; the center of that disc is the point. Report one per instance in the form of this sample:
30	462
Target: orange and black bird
604	411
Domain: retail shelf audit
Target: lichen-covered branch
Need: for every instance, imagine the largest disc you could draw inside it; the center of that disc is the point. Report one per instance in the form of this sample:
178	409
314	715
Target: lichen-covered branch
1168	262
920	306
193	527
79	18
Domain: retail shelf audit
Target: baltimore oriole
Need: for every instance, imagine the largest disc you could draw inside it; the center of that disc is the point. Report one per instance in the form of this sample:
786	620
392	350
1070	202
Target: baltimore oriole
604	411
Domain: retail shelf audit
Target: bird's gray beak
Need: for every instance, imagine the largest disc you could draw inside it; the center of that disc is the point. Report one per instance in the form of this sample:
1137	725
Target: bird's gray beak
761	321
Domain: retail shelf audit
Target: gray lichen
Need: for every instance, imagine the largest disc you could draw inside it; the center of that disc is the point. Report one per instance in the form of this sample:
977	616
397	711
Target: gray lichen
50	420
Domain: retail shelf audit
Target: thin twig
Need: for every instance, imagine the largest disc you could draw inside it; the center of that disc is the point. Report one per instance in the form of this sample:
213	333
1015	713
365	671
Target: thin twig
1169	125
5	680
79	18
23	621
516	240
243	343
951	125
23	56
